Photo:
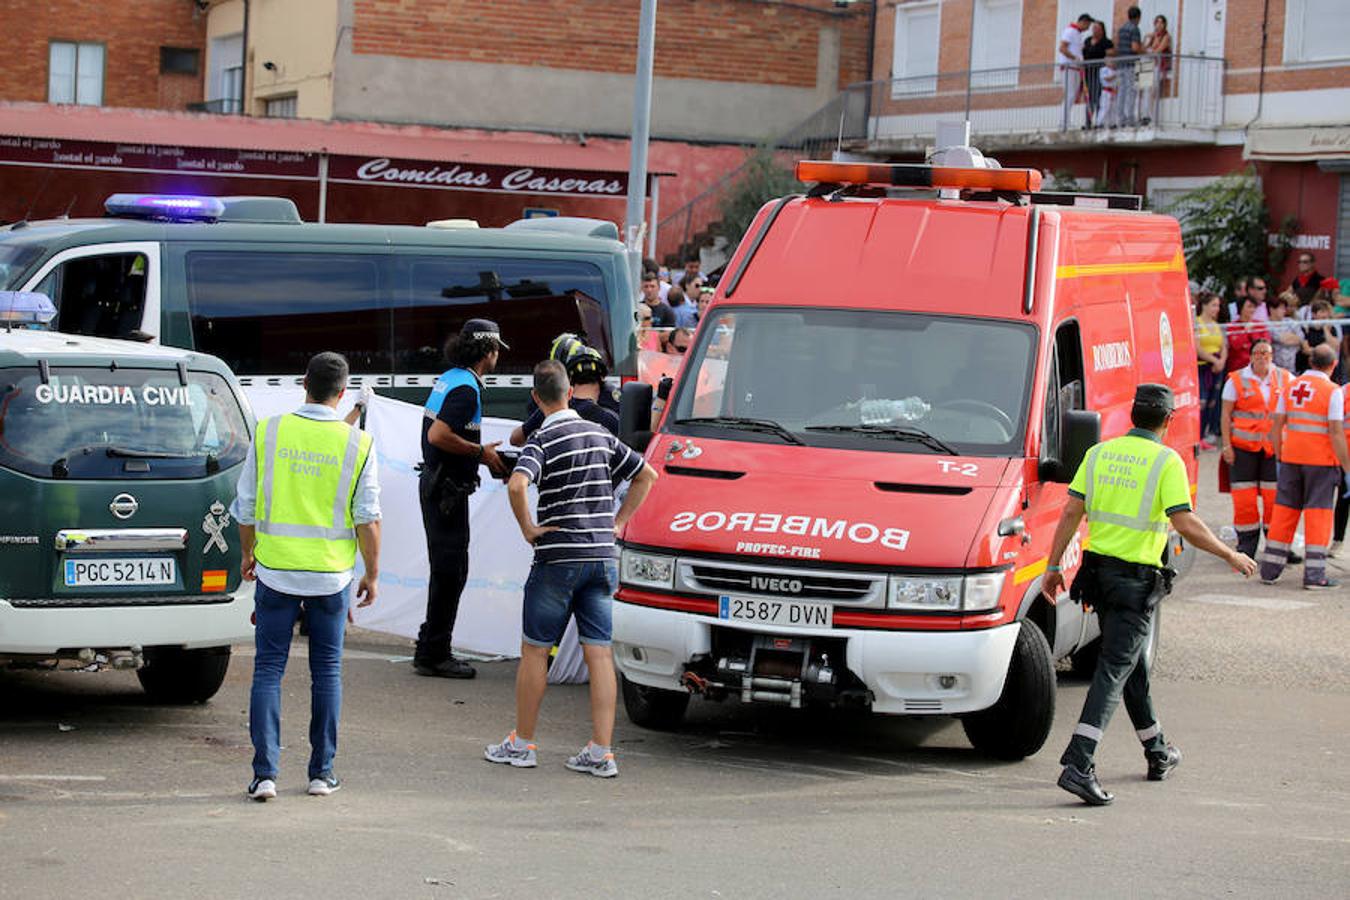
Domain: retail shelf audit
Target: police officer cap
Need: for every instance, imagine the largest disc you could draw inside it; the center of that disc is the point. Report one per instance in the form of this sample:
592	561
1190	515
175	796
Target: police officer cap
483	328
1155	396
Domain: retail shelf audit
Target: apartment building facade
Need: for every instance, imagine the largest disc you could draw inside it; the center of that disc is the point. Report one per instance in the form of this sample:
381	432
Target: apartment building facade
523	84
1250	83
146	54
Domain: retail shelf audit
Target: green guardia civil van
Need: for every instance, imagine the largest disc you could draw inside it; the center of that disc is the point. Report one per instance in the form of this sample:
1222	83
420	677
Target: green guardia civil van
244	279
118	463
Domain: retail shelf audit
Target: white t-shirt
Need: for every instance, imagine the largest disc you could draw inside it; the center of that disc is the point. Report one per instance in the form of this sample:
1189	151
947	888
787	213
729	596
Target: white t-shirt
1230	392
1335	410
1074	38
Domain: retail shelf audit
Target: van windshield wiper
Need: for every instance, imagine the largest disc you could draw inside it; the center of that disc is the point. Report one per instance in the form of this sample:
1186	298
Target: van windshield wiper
763	426
891	432
136	453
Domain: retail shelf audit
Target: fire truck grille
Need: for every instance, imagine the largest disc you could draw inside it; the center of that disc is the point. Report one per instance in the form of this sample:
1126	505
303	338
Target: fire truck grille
805	584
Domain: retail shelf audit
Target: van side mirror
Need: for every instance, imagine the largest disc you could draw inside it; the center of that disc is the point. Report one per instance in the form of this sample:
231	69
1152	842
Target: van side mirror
635	415
1079	430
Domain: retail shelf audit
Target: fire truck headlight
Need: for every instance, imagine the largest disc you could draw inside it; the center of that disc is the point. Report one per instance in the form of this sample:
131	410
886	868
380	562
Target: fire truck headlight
924	594
647	570
982	591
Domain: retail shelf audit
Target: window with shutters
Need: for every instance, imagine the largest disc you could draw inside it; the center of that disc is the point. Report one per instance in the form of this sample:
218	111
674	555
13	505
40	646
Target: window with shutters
915	63
996	46
1316	31
75	73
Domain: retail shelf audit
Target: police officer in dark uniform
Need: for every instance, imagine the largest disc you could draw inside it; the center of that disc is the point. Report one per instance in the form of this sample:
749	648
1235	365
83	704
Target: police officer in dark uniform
1130	488
452	450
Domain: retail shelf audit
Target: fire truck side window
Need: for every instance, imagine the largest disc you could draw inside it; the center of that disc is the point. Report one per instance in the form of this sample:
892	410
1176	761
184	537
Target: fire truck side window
1065	388
99	295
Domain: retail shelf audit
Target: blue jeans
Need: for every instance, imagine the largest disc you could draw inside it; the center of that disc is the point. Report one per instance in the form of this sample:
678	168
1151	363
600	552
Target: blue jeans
275	619
556	591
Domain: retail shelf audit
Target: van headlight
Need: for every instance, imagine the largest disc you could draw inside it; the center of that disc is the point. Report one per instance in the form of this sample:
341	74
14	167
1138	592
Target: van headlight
970	593
648	570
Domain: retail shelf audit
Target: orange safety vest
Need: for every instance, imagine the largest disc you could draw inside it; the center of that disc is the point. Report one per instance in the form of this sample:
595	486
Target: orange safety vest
1306	440
1254	414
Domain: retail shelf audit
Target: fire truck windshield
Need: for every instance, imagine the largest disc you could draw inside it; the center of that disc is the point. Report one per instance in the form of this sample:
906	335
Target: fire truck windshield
898	382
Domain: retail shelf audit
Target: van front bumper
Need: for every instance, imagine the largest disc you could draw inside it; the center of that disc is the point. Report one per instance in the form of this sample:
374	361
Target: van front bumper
38	630
907	672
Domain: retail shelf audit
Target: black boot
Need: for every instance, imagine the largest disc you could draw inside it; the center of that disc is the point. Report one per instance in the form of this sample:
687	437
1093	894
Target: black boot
450	667
1162	762
1084	786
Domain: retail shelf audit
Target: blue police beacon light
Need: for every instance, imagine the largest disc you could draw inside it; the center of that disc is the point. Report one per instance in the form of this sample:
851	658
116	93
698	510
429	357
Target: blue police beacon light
170	207
27	309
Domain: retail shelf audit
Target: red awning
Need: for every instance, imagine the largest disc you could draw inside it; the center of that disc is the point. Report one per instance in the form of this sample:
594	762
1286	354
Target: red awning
357	139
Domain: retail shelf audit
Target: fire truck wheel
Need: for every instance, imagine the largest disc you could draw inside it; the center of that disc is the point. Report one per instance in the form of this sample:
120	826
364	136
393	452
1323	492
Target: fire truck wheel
175	675
1018	724
652	707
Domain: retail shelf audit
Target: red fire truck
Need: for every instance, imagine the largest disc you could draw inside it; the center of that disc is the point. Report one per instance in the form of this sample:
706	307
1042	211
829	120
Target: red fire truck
866	450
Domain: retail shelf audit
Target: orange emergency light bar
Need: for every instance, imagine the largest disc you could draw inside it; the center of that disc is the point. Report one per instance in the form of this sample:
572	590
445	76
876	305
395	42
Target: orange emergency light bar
911	175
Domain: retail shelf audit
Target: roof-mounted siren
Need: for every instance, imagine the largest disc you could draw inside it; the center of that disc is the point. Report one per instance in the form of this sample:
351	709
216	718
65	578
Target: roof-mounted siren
165	207
952	149
951	168
27	309
451	224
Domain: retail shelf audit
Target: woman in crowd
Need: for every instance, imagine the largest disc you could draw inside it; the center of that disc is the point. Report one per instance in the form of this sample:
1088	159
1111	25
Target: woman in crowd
1094	57
1286	334
1243	333
1211	352
1320	331
1158	45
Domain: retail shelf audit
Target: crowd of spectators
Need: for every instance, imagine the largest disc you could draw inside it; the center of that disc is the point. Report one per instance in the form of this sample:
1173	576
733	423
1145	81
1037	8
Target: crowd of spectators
1303	316
671	304
1119	82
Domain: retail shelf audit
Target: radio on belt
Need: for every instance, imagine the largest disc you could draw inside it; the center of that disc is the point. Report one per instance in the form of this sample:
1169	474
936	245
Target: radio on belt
866	522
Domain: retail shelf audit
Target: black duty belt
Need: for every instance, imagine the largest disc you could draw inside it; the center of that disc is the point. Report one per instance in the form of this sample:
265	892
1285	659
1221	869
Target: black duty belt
1121	566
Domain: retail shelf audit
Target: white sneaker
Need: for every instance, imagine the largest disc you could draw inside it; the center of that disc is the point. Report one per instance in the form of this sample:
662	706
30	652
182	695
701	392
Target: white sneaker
525	756
1334	549
262	789
584	761
324	785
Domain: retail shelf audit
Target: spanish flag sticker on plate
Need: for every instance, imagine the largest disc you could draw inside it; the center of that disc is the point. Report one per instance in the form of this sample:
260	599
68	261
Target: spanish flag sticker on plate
213	581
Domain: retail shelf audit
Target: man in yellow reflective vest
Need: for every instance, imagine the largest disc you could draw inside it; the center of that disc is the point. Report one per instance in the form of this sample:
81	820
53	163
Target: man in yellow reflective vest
1130	488
308	498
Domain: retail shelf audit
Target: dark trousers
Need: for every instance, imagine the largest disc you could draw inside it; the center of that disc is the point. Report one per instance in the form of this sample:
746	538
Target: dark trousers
448	555
1124	596
1342	515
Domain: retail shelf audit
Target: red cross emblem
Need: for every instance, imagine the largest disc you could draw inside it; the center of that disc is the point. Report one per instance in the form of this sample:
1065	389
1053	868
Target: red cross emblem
1301	393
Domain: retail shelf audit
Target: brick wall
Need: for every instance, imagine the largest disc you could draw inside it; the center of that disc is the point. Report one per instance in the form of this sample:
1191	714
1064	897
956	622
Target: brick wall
131	33
747	41
1242	42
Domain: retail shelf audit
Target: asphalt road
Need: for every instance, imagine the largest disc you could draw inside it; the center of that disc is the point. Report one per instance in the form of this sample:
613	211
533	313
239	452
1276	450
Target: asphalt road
102	793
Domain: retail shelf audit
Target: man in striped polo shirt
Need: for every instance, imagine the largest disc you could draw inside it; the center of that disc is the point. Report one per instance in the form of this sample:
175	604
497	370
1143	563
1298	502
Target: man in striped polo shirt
575	464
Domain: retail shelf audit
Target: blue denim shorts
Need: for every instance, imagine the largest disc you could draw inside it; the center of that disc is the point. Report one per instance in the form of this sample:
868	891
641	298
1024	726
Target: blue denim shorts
556	591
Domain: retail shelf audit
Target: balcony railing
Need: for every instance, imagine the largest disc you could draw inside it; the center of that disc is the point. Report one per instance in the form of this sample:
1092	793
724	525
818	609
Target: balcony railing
1140	98
227	106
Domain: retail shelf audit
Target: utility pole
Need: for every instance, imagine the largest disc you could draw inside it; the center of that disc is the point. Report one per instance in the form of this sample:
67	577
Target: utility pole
642	126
